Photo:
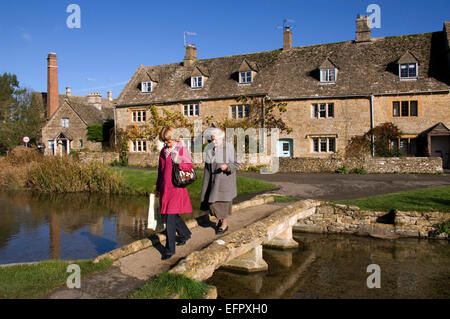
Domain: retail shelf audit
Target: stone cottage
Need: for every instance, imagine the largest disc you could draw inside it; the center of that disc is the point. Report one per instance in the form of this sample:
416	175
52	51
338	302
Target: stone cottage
333	91
68	116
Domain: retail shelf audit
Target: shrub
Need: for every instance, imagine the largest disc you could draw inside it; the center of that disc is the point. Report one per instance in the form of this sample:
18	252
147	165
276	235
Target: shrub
66	175
443	227
342	170
358	170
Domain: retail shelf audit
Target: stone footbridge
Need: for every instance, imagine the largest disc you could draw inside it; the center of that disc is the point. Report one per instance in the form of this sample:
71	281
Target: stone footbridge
242	250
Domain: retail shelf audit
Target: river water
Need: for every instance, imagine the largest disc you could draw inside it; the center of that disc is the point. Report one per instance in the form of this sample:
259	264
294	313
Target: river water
335	266
69	226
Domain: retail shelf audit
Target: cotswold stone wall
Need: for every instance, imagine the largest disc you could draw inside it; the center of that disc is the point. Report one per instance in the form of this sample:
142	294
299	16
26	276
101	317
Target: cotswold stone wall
371	165
352	220
151	159
102	157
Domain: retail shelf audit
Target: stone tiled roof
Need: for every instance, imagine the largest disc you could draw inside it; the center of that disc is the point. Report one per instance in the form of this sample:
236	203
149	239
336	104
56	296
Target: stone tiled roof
87	112
364	68
447	30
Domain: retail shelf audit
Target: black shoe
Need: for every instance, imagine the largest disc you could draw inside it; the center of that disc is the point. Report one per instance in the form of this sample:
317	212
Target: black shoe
166	256
221	231
180	241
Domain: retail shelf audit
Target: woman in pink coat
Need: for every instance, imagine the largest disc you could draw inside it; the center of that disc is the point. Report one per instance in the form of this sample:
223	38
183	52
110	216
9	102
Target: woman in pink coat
173	200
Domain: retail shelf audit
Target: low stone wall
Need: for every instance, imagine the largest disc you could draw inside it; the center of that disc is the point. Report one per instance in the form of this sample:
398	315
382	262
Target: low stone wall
102	157
371	165
143	159
352	220
151	160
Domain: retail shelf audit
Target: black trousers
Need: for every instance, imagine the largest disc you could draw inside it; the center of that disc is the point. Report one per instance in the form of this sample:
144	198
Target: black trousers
175	224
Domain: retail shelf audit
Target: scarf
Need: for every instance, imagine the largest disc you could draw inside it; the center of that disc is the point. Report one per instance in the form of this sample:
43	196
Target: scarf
169	150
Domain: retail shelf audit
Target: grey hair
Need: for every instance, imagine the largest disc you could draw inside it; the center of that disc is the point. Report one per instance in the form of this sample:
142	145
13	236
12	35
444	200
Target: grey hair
217	132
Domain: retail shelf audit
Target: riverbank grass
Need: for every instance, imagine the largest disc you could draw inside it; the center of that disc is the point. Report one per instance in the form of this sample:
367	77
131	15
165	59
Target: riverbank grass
143	182
37	280
171	286
420	200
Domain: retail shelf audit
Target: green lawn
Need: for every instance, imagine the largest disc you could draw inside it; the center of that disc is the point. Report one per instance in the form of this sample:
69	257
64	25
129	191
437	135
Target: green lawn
168	285
421	200
143	182
37	280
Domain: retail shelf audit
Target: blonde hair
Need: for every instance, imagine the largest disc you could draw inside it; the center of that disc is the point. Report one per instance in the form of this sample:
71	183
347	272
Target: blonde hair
166	133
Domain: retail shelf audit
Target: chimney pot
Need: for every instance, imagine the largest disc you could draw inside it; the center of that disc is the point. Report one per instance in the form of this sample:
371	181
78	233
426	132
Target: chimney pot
68	91
110	95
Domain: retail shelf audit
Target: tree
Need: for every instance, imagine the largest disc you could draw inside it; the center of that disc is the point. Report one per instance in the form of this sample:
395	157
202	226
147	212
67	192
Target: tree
20	113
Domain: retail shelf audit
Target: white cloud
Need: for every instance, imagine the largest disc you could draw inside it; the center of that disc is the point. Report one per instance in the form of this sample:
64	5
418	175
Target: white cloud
26	36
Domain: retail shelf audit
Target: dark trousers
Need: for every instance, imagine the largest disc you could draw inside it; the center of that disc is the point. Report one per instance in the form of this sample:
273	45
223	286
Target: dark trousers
175	224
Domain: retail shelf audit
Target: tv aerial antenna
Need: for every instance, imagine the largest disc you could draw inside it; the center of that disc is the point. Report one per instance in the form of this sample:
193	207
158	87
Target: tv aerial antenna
287	24
185	34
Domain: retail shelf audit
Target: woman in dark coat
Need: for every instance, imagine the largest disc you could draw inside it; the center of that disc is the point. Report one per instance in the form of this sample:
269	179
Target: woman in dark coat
219	179
173	200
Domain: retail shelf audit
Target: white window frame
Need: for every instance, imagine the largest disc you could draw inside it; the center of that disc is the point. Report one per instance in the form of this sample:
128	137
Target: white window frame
146	87
191	110
408	66
317	108
328	75
80	143
197	82
138	116
51	144
139	146
319	140
245	77
244	111
65	122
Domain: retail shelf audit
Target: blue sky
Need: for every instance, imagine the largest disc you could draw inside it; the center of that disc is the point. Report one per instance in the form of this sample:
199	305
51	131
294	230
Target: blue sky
117	36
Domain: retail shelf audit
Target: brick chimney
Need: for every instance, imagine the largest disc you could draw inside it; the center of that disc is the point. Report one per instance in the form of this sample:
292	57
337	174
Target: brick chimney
362	29
52	85
287	38
68	91
110	95
191	55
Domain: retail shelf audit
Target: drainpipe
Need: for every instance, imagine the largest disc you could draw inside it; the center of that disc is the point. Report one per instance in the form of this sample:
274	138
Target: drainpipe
115	137
372	125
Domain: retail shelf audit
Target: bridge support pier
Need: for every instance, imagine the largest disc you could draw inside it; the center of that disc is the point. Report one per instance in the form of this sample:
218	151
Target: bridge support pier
283	240
251	261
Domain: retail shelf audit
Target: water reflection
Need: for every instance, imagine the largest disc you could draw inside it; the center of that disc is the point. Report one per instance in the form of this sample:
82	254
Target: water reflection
69	226
334	266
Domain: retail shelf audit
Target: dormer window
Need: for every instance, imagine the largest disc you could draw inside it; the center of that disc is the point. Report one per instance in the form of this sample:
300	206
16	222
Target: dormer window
328	72
328	75
196	82
146	87
408	66
247	72
245	77
408	71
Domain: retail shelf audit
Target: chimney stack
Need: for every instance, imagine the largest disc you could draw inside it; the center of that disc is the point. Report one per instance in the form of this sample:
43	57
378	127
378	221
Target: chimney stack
110	95
52	85
191	55
287	38
362	29
68	93
95	99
